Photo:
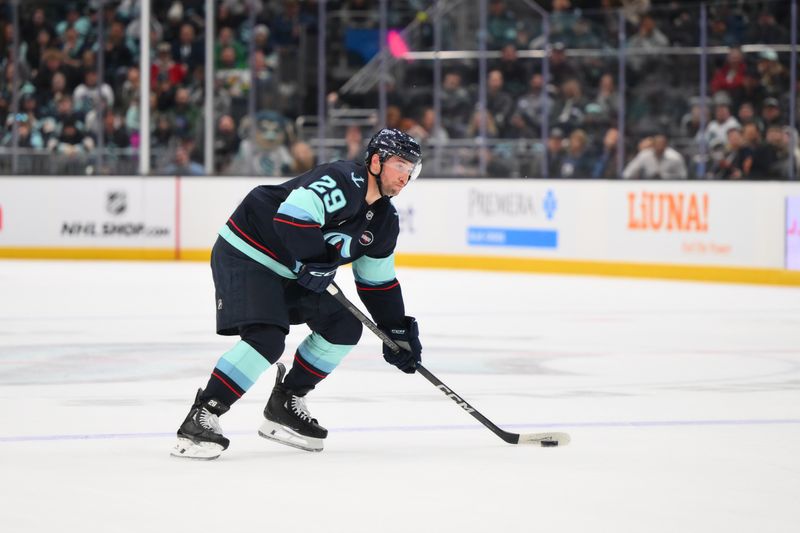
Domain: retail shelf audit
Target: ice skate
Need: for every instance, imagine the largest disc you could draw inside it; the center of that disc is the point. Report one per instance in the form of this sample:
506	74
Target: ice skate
200	436
288	421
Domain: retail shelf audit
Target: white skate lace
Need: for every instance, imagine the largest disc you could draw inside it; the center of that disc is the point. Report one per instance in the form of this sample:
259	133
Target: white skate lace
210	421
300	408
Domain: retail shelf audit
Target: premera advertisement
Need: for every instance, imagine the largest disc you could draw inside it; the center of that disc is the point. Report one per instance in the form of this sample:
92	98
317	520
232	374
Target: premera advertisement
87	213
490	217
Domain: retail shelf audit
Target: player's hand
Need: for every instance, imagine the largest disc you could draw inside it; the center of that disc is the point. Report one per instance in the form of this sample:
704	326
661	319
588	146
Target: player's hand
317	276
406	336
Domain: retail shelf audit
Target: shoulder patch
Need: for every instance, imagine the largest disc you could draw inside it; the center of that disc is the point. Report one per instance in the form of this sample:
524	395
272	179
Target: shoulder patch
356	179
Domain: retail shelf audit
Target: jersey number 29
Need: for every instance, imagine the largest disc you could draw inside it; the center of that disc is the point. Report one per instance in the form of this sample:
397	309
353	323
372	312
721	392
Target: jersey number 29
333	200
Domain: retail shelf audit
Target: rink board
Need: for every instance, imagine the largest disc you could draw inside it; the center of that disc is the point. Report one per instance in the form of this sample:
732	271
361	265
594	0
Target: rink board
687	230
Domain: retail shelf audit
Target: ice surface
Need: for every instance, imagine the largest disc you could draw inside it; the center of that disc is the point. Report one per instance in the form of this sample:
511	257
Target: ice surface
682	400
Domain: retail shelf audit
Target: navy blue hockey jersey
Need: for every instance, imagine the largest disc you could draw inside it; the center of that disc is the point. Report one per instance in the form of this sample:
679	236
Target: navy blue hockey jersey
301	220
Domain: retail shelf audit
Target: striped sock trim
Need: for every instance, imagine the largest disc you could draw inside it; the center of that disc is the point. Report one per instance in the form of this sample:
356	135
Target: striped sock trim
217	373
308	367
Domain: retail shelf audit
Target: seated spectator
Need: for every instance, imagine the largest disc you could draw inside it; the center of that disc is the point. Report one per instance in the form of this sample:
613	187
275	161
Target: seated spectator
730	76
51	63
720	34
515	75
773	76
501	25
474	127
430	131
716	134
75	19
182	164
129	93
303	157
561	67
184	117
187	49
237	54
554	150
288	24
32	29
44	40
691	121
226	143
456	105
747	115
71	140
115	134
738	158
527	117
577	163
562	21
118	55
27	135
607	97
498	101
658	161
568	112
766	30
165	68
88	95
72	47
162	134
605	165
771	113
646	42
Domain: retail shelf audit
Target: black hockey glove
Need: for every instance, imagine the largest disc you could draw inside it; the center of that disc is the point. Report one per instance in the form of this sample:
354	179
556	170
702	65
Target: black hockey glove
318	272
407	337
317	276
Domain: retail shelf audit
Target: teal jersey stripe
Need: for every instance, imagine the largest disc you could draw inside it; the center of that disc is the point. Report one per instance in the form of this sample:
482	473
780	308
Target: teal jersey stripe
308	202
372	271
322	354
295	212
255	254
243	364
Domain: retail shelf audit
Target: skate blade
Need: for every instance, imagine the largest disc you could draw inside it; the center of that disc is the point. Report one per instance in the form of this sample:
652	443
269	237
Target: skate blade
272	431
203	451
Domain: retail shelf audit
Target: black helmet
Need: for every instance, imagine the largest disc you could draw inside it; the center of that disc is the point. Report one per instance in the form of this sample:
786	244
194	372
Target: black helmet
389	142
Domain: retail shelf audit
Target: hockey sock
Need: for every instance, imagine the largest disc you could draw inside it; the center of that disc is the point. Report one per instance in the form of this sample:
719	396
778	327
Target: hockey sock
314	360
239	368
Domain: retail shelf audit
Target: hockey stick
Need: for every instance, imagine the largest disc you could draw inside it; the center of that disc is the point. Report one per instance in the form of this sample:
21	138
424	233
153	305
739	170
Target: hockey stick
538	439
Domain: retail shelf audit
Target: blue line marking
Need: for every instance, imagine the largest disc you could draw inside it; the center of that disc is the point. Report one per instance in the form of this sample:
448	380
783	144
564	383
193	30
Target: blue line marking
391	429
526	238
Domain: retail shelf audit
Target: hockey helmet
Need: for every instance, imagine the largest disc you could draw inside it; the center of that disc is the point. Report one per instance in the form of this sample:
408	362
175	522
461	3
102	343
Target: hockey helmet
388	142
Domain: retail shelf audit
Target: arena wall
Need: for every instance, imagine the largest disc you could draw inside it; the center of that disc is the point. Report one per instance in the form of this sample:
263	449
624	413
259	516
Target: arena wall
732	231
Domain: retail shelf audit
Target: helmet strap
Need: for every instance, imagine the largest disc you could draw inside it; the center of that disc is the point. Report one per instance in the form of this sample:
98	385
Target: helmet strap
378	175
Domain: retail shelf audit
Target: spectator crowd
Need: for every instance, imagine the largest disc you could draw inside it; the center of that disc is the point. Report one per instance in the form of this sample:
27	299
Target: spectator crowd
74	100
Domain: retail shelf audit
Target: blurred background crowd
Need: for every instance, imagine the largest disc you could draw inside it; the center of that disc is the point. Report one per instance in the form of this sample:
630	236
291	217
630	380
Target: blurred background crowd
610	89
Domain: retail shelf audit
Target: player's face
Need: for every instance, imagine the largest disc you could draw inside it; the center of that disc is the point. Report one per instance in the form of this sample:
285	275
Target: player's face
396	175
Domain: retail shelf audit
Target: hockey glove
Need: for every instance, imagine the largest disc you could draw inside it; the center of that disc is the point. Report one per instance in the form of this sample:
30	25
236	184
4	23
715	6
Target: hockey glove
317	276
407	337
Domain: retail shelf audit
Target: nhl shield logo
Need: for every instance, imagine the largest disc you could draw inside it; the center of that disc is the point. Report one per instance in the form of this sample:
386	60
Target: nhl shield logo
116	202
366	238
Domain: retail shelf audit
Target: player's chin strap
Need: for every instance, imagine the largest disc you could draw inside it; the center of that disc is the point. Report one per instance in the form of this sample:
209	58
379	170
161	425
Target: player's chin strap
535	439
377	177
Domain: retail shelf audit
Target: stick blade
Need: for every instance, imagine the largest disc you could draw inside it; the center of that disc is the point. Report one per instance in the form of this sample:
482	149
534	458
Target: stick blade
546	440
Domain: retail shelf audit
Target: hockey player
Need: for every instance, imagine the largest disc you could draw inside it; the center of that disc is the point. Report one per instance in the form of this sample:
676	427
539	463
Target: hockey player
272	263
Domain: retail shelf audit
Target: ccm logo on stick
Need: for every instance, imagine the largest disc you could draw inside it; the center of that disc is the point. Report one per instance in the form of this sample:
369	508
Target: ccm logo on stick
461	403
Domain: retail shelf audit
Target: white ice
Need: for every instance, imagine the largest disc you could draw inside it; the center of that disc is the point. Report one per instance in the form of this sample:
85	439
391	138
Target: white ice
682	400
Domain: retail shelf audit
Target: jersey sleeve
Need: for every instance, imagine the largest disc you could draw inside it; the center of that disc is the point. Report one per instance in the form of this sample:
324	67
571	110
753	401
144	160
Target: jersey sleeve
377	284
320	197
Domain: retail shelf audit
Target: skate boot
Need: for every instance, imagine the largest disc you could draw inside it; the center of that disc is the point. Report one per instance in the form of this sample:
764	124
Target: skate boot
288	421
200	435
